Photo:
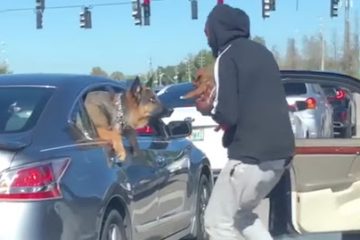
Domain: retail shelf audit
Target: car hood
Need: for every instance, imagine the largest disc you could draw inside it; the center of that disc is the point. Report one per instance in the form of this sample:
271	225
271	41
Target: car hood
10	144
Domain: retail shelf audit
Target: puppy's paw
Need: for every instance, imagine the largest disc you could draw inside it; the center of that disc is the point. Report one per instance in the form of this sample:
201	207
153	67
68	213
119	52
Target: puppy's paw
121	156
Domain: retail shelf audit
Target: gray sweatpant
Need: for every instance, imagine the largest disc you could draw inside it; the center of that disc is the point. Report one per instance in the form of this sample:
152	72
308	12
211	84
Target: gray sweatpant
229	213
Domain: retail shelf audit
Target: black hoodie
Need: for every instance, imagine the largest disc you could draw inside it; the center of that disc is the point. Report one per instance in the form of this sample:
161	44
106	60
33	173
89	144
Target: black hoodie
250	97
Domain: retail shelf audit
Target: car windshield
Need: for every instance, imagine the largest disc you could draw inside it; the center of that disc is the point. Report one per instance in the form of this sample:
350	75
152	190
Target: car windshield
292	89
21	107
170	96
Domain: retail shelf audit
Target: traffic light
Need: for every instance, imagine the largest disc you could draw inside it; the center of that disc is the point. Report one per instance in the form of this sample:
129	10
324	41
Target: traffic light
136	12
147	13
266	8
334	7
194	9
39	10
40	5
39	20
85	18
272	5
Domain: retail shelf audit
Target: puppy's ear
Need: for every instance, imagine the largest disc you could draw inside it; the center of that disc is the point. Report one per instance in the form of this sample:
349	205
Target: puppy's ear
150	82
136	88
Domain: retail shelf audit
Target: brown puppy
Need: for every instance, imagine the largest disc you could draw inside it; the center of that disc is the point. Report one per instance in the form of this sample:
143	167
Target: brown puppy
204	83
120	114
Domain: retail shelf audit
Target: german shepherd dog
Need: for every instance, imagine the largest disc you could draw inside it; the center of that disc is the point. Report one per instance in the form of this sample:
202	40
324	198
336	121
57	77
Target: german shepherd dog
204	83
120	114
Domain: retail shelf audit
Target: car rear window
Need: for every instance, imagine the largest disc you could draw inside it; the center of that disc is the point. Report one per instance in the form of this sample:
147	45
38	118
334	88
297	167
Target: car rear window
294	89
21	107
170	96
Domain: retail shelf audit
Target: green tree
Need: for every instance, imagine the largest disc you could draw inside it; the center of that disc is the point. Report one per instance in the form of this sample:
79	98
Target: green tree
260	40
98	71
292	57
117	75
4	69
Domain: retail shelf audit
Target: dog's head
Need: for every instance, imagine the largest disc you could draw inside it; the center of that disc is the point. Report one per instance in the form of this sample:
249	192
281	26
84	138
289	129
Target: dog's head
145	100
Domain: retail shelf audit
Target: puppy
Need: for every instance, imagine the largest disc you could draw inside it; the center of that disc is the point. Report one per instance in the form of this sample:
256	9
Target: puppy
120	114
204	83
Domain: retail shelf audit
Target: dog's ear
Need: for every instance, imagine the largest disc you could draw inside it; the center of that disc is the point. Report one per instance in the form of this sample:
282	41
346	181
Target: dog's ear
136	88
150	82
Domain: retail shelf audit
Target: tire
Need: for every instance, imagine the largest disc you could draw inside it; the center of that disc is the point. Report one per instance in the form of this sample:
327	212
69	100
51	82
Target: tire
203	196
353	130
113	228
346	132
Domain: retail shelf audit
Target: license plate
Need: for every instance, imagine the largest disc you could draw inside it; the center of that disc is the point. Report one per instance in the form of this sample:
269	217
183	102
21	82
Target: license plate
197	135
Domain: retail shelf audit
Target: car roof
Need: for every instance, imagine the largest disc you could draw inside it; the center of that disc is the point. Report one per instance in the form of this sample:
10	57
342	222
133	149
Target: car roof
314	73
65	81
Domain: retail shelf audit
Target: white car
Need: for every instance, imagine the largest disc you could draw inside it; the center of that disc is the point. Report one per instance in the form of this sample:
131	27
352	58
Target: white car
204	136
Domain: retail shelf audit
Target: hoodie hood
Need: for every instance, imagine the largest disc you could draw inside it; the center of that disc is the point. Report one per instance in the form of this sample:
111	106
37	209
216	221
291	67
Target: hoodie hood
225	24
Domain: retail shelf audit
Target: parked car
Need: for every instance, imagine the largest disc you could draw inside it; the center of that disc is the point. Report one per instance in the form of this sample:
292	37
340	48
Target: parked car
203	135
317	118
59	181
344	105
320	192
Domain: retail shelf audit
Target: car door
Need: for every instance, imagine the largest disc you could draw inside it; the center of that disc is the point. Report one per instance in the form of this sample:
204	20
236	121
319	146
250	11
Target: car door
325	178
173	161
143	181
326	185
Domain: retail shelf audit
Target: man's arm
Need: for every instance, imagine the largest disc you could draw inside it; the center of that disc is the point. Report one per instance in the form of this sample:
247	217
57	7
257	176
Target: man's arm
225	107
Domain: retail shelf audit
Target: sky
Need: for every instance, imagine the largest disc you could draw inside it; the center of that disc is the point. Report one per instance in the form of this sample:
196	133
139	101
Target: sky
115	44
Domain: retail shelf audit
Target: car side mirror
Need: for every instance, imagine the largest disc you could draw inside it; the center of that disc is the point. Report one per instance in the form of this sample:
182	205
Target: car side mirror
179	129
301	105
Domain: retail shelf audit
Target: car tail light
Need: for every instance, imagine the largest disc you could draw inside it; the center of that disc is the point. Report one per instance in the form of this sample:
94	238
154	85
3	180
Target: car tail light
147	130
39	181
340	94
311	103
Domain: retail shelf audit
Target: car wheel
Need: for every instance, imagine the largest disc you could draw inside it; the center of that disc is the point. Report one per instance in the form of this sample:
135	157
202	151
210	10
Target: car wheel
202	201
113	228
353	130
346	132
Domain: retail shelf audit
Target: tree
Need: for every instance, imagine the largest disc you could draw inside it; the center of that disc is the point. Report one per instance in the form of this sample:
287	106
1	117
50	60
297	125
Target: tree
4	69
355	71
117	75
312	47
98	71
276	55
260	40
292	57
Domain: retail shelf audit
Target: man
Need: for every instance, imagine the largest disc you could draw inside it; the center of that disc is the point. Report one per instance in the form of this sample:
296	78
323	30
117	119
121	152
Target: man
251	108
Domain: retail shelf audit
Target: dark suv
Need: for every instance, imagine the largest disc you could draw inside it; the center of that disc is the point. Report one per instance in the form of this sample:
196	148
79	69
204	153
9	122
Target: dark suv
344	106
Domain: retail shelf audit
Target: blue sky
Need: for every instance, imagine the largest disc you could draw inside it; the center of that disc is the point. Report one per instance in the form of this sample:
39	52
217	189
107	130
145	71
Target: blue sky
116	44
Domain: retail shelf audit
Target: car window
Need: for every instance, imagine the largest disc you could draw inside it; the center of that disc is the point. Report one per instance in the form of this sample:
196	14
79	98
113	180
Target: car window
170	96
81	117
329	90
83	123
294	89
21	107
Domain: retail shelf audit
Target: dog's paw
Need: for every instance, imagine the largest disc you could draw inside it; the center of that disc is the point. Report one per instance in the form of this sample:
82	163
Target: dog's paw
121	156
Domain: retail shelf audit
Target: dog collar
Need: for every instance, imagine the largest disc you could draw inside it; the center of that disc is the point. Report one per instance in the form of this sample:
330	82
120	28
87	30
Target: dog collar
119	116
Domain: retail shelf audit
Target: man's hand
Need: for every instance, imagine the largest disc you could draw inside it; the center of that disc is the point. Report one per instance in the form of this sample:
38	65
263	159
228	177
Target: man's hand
204	105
